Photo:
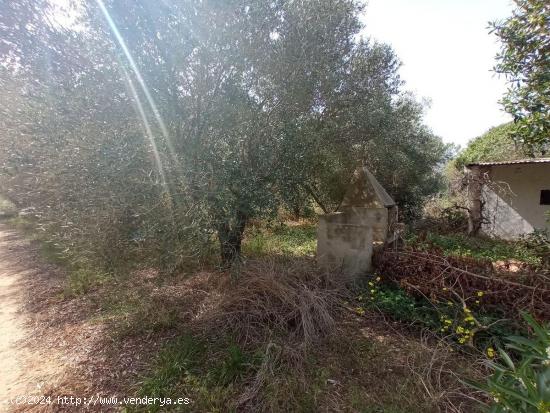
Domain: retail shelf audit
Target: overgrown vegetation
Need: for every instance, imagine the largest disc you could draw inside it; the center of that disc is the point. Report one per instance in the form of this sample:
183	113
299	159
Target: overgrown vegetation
82	275
269	304
497	144
139	135
205	373
142	133
281	239
281	336
461	245
278	337
447	318
342	374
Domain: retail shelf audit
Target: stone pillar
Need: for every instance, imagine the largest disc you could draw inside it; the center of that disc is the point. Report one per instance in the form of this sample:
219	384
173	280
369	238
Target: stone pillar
344	244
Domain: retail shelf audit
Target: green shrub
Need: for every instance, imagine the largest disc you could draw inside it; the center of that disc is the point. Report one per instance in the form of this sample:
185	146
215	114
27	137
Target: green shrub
477	247
235	363
7	208
521	379
539	243
281	240
80	281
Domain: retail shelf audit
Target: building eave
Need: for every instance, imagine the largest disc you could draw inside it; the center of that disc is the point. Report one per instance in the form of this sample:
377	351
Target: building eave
514	162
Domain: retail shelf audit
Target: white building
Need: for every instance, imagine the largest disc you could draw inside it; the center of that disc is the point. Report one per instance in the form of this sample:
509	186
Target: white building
515	196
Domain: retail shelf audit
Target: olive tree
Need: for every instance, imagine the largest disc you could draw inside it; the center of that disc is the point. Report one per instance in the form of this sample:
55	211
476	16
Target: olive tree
192	118
525	38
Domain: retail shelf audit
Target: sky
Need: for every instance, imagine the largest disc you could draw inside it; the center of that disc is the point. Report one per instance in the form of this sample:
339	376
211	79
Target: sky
447	55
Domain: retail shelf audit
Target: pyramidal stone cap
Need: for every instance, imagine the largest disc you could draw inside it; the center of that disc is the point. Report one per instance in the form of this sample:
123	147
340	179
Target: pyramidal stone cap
365	191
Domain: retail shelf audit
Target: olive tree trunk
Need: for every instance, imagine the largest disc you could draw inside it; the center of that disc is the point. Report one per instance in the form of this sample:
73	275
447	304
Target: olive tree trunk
230	237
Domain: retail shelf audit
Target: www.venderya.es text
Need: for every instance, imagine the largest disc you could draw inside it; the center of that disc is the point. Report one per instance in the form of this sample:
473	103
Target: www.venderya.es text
96	400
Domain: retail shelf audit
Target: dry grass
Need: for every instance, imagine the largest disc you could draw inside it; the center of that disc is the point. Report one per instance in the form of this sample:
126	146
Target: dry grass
370	365
439	372
292	299
275	338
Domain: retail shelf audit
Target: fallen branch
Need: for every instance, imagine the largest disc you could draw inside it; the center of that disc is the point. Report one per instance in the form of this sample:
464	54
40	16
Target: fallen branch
445	262
431	274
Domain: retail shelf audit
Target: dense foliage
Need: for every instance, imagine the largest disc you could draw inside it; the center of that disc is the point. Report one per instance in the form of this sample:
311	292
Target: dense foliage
525	38
140	128
497	144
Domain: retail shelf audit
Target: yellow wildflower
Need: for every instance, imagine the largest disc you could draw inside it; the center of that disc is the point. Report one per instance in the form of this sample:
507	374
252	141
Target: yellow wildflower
480	293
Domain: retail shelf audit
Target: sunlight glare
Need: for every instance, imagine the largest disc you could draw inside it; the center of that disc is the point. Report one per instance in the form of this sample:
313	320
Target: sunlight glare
146	126
139	78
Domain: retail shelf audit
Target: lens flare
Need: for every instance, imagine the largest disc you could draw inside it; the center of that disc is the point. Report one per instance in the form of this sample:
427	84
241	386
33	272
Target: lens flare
138	76
146	126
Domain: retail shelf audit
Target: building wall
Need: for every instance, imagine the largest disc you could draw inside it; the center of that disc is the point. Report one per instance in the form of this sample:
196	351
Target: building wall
512	201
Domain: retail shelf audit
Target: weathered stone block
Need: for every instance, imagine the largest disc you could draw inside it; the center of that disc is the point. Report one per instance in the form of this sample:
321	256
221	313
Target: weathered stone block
344	245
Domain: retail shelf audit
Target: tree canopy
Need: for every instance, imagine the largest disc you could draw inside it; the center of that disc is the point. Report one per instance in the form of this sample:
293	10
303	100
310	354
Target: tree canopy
162	124
497	144
525	38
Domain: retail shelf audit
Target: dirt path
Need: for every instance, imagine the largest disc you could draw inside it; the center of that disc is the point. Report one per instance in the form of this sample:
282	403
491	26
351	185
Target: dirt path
54	344
24	370
11	326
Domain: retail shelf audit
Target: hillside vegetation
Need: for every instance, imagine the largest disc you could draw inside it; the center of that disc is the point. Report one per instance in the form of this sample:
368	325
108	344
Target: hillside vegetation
497	144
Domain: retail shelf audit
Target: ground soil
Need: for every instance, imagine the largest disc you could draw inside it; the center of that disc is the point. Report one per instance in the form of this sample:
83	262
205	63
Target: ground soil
24	369
52	345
